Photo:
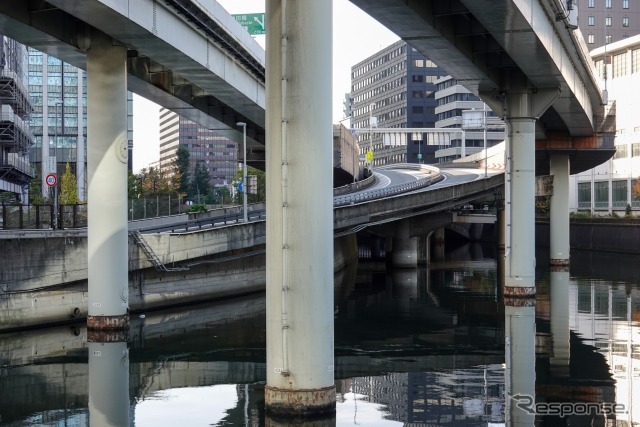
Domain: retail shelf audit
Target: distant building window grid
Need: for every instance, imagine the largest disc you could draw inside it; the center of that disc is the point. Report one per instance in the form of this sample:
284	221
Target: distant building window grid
584	195
619	65
619	194
601	195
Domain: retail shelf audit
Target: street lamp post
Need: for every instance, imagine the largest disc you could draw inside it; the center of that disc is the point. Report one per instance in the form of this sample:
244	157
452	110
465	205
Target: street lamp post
484	127
371	107
244	169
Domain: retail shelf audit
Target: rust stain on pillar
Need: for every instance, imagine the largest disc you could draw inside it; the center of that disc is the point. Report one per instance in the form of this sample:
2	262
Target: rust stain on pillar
108	323
300	403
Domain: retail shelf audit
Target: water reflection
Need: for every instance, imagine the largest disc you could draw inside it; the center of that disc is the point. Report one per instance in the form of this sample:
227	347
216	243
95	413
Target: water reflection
421	346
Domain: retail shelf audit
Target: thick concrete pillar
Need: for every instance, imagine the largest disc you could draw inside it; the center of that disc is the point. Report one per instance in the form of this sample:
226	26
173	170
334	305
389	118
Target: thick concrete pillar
424	249
559	211
405	247
520	362
559	283
501	232
524	104
107	233
108	384
299	292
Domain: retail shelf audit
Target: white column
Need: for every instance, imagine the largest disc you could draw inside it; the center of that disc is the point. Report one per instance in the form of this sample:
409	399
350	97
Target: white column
44	166
108	384
299	292
523	104
559	211
107	234
81	175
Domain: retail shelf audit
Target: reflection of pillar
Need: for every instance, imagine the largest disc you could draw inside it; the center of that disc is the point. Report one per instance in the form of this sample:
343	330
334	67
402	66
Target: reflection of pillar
299	199
438	244
107	233
475	232
405	284
424	249
520	362
559	210
560	323
108	384
523	106
405	247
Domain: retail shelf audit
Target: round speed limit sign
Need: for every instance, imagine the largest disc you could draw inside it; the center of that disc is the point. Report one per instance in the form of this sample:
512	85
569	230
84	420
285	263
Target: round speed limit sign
51	180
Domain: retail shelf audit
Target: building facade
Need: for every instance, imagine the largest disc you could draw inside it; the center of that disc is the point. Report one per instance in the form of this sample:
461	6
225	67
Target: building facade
399	87
58	92
15	108
217	153
394	88
609	187
607	21
452	99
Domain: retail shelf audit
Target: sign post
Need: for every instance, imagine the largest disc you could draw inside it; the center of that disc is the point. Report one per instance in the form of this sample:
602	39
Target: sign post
52	181
252	22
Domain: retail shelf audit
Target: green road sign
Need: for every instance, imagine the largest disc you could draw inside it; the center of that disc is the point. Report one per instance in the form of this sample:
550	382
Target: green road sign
252	22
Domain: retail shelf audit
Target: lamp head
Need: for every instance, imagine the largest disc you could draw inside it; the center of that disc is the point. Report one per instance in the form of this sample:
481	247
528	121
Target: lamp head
243	124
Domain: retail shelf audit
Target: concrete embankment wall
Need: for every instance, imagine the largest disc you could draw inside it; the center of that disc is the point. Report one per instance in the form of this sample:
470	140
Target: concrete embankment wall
44	281
604	235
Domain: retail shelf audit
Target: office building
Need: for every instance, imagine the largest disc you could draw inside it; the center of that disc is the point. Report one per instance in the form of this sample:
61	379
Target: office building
394	88
398	87
217	153
15	135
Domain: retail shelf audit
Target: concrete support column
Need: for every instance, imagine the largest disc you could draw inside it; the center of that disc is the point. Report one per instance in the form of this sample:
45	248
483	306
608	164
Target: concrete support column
107	233
523	104
438	244
81	175
108	384
500	226
405	248
559	283
559	211
520	362
424	249
299	292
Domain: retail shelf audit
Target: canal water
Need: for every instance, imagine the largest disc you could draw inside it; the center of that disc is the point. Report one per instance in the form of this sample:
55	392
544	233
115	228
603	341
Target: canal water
432	346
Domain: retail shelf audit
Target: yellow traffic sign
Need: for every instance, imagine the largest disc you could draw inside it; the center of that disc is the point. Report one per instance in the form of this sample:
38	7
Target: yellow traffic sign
369	156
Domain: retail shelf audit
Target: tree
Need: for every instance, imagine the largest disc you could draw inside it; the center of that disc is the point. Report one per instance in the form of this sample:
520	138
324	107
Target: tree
154	183
260	196
68	187
134	189
200	183
636	189
181	170
35	190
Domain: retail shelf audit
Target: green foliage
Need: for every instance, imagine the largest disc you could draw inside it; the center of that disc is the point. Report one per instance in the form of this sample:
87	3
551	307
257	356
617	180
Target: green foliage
35	189
200	187
260	196
68	187
134	189
181	170
197	208
627	211
153	182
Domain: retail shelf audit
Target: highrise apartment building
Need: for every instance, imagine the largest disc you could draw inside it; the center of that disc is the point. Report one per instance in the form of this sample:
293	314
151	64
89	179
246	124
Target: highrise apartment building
217	153
15	107
59	120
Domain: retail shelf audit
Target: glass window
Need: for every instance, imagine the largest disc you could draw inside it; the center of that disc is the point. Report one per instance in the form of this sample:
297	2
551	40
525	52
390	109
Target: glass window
635	149
607	21
625	21
635	60
601	195
625	4
592	3
619	65
607	39
584	195
621	152
592	21
591	39
607	4
619	194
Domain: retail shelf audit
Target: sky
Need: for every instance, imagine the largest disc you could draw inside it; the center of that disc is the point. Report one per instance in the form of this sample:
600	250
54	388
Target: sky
356	36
